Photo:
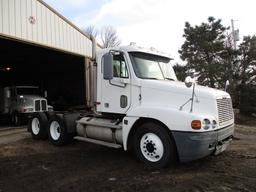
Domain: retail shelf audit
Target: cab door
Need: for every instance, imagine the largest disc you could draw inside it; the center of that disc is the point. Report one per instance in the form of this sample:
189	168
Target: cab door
116	93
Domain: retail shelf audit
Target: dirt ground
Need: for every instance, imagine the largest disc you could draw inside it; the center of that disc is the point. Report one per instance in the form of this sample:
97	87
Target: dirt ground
28	165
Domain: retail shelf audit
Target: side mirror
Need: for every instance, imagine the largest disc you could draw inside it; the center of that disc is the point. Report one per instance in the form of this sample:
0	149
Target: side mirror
45	94
8	94
108	66
189	81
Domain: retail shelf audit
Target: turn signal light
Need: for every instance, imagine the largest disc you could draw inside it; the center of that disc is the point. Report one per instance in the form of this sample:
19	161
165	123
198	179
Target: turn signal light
196	124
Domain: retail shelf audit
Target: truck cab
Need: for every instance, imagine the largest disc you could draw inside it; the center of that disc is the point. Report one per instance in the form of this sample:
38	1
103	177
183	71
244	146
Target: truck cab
139	105
146	87
131	68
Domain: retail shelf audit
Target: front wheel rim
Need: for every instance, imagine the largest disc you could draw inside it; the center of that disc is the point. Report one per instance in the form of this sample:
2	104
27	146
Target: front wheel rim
55	130
35	125
152	147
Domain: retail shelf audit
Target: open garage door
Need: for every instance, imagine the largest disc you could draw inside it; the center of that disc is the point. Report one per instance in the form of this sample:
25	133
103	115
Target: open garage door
61	74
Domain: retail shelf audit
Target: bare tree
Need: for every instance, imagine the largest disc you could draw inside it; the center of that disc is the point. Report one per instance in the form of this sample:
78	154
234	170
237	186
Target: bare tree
109	37
91	30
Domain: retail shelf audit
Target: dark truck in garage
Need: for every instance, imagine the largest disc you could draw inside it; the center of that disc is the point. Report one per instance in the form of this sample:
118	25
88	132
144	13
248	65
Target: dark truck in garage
18	102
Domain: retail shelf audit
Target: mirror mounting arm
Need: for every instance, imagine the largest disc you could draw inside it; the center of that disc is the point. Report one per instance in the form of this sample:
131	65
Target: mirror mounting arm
181	107
192	98
190	82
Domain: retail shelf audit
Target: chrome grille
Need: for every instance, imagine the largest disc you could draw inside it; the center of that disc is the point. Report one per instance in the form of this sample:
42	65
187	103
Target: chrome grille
40	105
37	105
43	104
225	110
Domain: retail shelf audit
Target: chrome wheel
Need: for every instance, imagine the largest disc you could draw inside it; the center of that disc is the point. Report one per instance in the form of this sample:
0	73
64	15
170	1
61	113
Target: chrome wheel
55	130
151	147
35	126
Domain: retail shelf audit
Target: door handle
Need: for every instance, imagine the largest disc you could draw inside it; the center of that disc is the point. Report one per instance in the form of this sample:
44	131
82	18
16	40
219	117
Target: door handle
121	80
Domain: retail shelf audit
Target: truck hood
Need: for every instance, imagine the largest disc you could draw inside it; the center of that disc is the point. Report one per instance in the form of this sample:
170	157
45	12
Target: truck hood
32	97
28	100
174	94
179	88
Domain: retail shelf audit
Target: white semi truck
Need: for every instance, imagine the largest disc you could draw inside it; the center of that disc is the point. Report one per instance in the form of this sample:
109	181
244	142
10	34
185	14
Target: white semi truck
136	103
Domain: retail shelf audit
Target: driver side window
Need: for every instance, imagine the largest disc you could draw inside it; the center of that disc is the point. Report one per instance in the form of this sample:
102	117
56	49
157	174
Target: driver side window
119	66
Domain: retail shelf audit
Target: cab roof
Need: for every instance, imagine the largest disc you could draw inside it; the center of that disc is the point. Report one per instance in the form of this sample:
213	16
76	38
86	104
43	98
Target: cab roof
135	48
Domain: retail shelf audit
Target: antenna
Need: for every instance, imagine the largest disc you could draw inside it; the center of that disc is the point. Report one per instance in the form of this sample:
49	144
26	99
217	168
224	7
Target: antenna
235	33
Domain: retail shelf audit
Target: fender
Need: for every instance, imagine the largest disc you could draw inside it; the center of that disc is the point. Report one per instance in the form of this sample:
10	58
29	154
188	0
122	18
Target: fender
174	119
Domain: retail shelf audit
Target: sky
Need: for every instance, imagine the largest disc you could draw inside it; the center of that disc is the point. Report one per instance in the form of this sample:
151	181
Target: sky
157	23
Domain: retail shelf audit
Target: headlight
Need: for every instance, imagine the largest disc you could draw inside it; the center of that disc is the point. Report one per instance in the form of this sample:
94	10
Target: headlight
206	124
50	108
28	110
214	124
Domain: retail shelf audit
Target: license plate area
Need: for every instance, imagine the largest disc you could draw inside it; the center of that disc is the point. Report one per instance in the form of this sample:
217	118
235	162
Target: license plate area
222	146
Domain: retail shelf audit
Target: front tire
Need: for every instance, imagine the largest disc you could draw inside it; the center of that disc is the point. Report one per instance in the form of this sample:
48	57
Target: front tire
57	131
38	126
154	146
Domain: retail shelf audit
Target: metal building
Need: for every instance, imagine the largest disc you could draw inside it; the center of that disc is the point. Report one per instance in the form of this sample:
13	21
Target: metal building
34	21
40	47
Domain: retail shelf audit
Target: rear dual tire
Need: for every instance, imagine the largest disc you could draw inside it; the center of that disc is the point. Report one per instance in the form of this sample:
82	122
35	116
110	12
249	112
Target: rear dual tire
38	126
57	131
54	129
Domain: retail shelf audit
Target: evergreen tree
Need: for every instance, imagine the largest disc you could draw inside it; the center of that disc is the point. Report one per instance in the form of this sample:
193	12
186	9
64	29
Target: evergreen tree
247	75
180	71
247	64
205	51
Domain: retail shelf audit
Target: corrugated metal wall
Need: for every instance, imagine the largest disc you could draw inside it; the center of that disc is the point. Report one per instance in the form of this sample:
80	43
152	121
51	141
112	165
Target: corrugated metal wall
33	21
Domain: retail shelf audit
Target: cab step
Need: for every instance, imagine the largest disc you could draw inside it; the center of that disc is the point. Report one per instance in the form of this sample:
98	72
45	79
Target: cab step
104	143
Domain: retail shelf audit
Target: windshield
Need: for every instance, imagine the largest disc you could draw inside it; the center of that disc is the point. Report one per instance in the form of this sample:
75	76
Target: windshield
27	91
147	66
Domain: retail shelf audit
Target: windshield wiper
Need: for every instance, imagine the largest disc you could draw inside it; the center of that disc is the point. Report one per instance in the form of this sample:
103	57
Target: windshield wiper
171	79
